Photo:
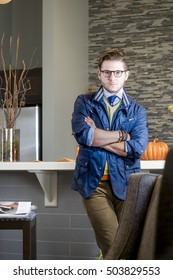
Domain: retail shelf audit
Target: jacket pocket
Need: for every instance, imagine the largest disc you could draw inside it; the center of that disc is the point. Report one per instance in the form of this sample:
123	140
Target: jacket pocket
81	169
131	167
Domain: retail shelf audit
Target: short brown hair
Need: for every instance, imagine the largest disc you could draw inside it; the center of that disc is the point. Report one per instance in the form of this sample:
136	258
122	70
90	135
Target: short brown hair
112	54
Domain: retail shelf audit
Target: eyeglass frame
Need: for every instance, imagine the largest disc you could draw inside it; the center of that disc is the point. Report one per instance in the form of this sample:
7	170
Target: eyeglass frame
114	72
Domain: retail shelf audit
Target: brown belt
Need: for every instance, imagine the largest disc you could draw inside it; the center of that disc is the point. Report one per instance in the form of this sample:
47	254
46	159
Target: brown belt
105	178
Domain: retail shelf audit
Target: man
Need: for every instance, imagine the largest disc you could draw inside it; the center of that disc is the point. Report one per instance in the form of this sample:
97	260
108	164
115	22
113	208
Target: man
112	136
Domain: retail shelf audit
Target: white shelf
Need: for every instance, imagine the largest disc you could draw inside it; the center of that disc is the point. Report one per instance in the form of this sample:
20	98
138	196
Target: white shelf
47	172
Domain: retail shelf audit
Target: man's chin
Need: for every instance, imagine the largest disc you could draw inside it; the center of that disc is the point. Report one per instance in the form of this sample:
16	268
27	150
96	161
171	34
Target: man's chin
112	89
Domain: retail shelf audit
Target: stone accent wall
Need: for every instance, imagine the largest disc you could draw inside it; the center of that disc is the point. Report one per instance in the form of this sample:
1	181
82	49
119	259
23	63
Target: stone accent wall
144	30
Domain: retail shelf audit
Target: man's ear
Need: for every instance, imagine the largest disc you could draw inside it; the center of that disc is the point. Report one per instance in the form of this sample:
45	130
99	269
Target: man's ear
98	74
127	75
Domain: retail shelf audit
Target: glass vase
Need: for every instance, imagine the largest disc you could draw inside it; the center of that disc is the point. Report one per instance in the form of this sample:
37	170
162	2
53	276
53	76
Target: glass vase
10	144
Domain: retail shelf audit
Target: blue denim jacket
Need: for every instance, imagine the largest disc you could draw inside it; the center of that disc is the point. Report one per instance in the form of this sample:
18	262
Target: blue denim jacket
90	162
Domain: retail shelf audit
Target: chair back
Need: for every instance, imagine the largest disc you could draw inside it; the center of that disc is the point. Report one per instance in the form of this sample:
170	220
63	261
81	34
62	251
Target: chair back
128	236
148	240
164	226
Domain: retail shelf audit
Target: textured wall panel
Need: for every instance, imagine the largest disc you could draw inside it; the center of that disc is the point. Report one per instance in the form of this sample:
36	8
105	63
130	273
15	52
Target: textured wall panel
144	30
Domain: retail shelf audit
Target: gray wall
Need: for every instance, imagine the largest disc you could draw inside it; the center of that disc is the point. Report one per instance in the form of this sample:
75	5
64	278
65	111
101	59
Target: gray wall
27	23
23	18
65	72
5	19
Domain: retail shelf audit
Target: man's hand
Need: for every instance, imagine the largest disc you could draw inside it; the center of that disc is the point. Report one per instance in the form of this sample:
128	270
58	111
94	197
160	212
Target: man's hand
108	140
90	122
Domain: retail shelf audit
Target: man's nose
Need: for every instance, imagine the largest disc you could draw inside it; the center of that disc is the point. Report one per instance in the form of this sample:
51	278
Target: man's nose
112	76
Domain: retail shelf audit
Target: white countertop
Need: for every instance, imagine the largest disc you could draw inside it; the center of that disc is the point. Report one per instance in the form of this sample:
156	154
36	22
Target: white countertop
36	165
64	165
47	173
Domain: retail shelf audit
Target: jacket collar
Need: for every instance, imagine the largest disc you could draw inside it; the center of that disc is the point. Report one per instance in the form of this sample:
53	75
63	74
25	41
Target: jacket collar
99	95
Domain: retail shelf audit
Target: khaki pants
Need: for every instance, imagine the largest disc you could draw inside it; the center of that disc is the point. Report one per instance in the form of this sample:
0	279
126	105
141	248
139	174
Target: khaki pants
103	209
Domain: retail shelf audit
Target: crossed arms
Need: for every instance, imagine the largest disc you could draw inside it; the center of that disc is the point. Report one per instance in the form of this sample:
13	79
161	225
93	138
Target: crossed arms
108	140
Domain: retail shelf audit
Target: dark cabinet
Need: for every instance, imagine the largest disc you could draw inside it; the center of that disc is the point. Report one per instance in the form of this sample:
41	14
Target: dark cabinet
34	95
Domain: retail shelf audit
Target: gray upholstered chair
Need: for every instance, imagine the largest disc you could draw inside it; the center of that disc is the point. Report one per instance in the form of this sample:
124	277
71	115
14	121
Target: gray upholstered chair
146	226
164	226
157	236
148	240
143	189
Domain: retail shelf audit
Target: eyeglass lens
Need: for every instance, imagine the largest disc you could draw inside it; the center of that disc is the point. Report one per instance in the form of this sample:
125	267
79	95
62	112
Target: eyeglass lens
117	73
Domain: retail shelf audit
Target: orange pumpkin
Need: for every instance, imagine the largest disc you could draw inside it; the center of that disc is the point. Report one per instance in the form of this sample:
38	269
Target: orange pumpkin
155	151
77	151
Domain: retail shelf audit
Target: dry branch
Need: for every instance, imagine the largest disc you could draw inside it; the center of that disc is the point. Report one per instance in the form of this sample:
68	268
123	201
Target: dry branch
13	84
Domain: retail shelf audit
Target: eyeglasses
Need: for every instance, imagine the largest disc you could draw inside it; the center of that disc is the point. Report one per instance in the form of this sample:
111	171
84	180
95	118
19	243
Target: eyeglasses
117	73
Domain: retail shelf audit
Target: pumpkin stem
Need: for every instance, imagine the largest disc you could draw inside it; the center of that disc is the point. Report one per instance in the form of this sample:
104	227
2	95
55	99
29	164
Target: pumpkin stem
155	139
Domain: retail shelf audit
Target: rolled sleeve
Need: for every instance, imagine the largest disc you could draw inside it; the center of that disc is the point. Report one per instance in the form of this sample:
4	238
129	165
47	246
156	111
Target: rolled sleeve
90	136
125	147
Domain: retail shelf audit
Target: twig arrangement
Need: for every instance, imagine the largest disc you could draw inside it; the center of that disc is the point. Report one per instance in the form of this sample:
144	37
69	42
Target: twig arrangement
13	84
